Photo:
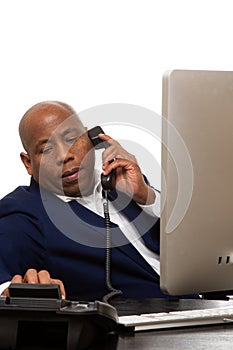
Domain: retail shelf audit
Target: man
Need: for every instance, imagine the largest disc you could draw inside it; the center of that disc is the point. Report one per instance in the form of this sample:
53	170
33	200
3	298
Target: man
53	231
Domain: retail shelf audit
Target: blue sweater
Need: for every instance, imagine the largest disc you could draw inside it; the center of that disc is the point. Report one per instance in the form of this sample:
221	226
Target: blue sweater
38	230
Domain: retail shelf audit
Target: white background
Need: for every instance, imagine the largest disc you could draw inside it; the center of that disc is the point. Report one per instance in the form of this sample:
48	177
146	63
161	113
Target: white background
93	52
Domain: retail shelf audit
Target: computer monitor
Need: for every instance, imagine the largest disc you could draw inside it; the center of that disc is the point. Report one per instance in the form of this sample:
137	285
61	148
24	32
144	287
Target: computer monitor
197	182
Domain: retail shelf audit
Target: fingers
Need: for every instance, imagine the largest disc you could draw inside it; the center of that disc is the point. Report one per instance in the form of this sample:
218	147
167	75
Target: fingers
6	293
41	277
108	167
17	279
44	277
62	288
31	276
129	178
124	164
104	137
114	151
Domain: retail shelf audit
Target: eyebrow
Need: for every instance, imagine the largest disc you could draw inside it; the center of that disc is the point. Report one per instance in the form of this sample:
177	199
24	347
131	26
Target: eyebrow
67	131
41	143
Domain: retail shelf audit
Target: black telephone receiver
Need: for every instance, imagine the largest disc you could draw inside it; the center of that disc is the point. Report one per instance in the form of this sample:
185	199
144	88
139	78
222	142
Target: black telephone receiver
108	182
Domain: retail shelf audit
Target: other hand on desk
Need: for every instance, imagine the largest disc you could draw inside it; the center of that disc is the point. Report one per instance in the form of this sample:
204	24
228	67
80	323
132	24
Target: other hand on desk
33	276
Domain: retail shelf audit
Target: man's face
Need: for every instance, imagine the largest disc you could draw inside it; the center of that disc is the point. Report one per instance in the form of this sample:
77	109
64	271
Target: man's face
61	156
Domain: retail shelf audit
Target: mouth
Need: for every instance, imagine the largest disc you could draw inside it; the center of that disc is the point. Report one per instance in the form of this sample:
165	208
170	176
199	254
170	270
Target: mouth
71	175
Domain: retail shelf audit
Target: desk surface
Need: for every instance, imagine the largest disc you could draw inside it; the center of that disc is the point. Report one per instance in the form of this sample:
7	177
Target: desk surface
214	337
205	337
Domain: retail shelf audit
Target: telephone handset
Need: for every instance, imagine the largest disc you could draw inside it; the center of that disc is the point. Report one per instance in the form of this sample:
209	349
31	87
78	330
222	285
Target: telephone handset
108	182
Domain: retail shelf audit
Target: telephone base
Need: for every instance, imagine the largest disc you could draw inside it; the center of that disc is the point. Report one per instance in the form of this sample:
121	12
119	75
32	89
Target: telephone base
55	324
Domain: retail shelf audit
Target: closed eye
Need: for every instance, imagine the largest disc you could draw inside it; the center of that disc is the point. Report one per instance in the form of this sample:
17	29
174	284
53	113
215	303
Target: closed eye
72	139
46	150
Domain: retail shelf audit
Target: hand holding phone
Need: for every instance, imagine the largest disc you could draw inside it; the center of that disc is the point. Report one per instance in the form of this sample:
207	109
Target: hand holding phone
108	181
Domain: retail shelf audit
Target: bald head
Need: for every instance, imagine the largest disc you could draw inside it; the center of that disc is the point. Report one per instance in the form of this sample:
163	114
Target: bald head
59	154
37	114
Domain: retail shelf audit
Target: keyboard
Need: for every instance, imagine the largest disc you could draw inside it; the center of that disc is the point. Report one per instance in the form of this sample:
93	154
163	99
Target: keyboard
174	319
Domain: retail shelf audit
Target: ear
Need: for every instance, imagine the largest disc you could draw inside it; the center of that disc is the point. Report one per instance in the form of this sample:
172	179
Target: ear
26	161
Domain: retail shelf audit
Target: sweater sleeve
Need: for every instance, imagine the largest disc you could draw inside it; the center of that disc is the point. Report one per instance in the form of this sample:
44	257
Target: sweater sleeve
21	245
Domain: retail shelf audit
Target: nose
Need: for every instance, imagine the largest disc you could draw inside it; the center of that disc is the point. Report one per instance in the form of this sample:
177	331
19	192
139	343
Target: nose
64	153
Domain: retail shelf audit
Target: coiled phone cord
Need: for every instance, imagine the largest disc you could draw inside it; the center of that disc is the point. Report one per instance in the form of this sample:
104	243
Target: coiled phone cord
113	291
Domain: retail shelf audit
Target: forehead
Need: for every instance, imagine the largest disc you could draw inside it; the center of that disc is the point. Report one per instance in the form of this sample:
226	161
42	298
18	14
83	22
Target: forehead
48	123
60	123
47	126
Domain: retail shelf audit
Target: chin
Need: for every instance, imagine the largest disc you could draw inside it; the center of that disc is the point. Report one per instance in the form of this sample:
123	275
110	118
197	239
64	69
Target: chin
72	193
79	189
